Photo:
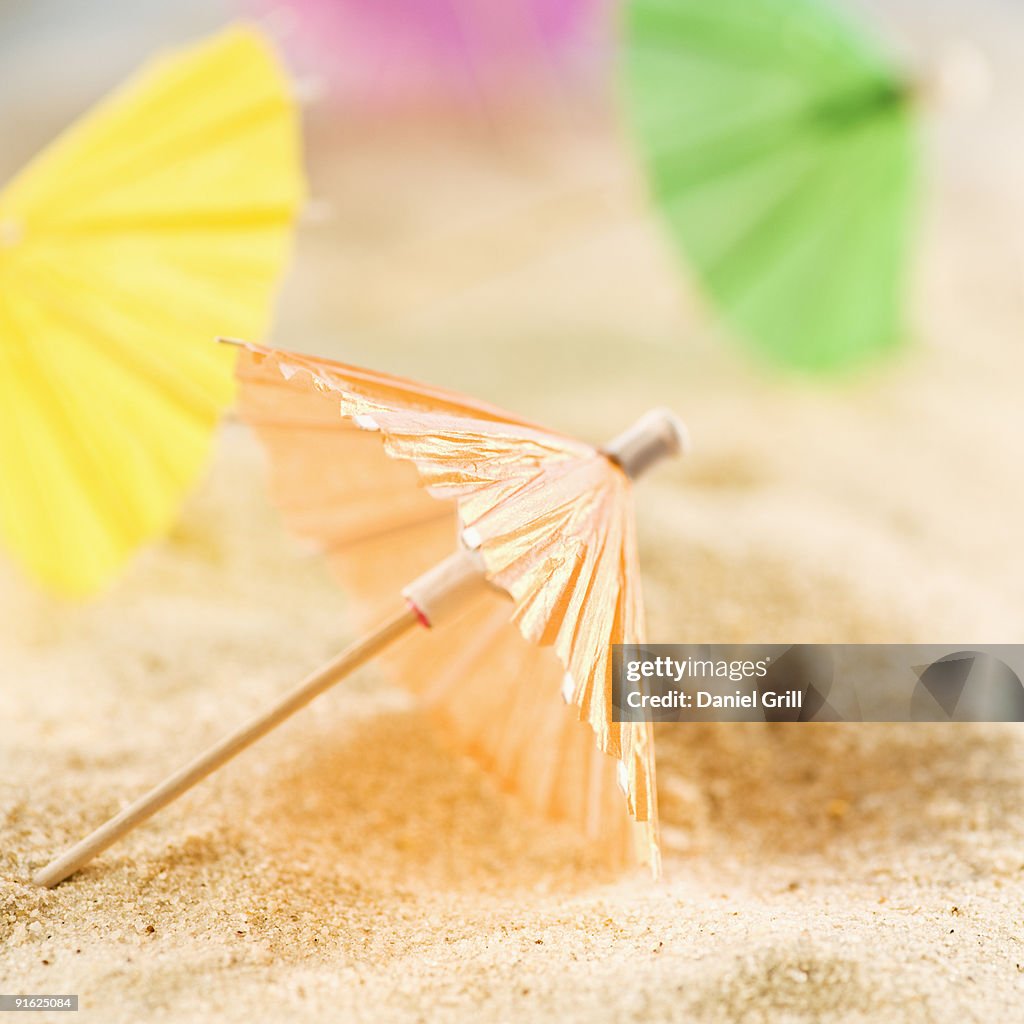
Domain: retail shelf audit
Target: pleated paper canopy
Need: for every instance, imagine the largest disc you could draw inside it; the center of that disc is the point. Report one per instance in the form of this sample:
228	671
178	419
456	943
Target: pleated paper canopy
383	474
159	221
411	50
779	140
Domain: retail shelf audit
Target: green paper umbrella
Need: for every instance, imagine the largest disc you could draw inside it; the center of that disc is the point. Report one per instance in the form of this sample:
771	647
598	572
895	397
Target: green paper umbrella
780	144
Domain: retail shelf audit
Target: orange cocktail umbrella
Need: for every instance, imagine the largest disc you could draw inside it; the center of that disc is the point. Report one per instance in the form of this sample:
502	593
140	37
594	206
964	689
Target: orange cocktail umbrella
359	460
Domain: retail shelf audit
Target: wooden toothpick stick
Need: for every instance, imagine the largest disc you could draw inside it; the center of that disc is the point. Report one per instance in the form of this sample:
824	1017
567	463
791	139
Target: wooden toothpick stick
196	770
435	595
432	597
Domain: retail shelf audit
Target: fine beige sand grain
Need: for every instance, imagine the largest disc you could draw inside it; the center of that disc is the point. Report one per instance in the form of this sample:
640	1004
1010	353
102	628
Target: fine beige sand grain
351	867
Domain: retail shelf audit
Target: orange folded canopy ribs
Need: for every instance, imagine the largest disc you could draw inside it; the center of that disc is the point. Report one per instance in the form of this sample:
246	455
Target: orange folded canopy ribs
384	475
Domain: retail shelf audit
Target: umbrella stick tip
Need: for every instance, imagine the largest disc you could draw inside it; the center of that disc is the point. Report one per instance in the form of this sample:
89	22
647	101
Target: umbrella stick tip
676	432
237	342
656	436
51	875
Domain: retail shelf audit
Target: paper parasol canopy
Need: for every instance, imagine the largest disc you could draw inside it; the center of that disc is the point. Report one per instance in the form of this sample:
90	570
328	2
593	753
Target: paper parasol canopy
781	150
553	520
414	49
160	220
390	477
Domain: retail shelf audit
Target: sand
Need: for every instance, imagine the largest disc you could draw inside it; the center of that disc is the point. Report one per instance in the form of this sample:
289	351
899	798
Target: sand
351	867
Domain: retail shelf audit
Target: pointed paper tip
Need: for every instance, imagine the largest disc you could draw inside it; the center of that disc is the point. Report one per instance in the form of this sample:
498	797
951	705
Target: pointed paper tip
655	861
622	777
365	422
568	688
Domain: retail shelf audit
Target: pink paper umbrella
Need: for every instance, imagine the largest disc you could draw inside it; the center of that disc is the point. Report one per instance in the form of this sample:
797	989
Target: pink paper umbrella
401	50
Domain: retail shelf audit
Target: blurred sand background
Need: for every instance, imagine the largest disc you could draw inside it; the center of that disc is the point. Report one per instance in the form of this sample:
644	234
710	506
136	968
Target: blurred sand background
350	867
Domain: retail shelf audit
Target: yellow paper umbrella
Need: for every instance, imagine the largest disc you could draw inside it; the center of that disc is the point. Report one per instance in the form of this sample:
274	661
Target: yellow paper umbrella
159	221
520	622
